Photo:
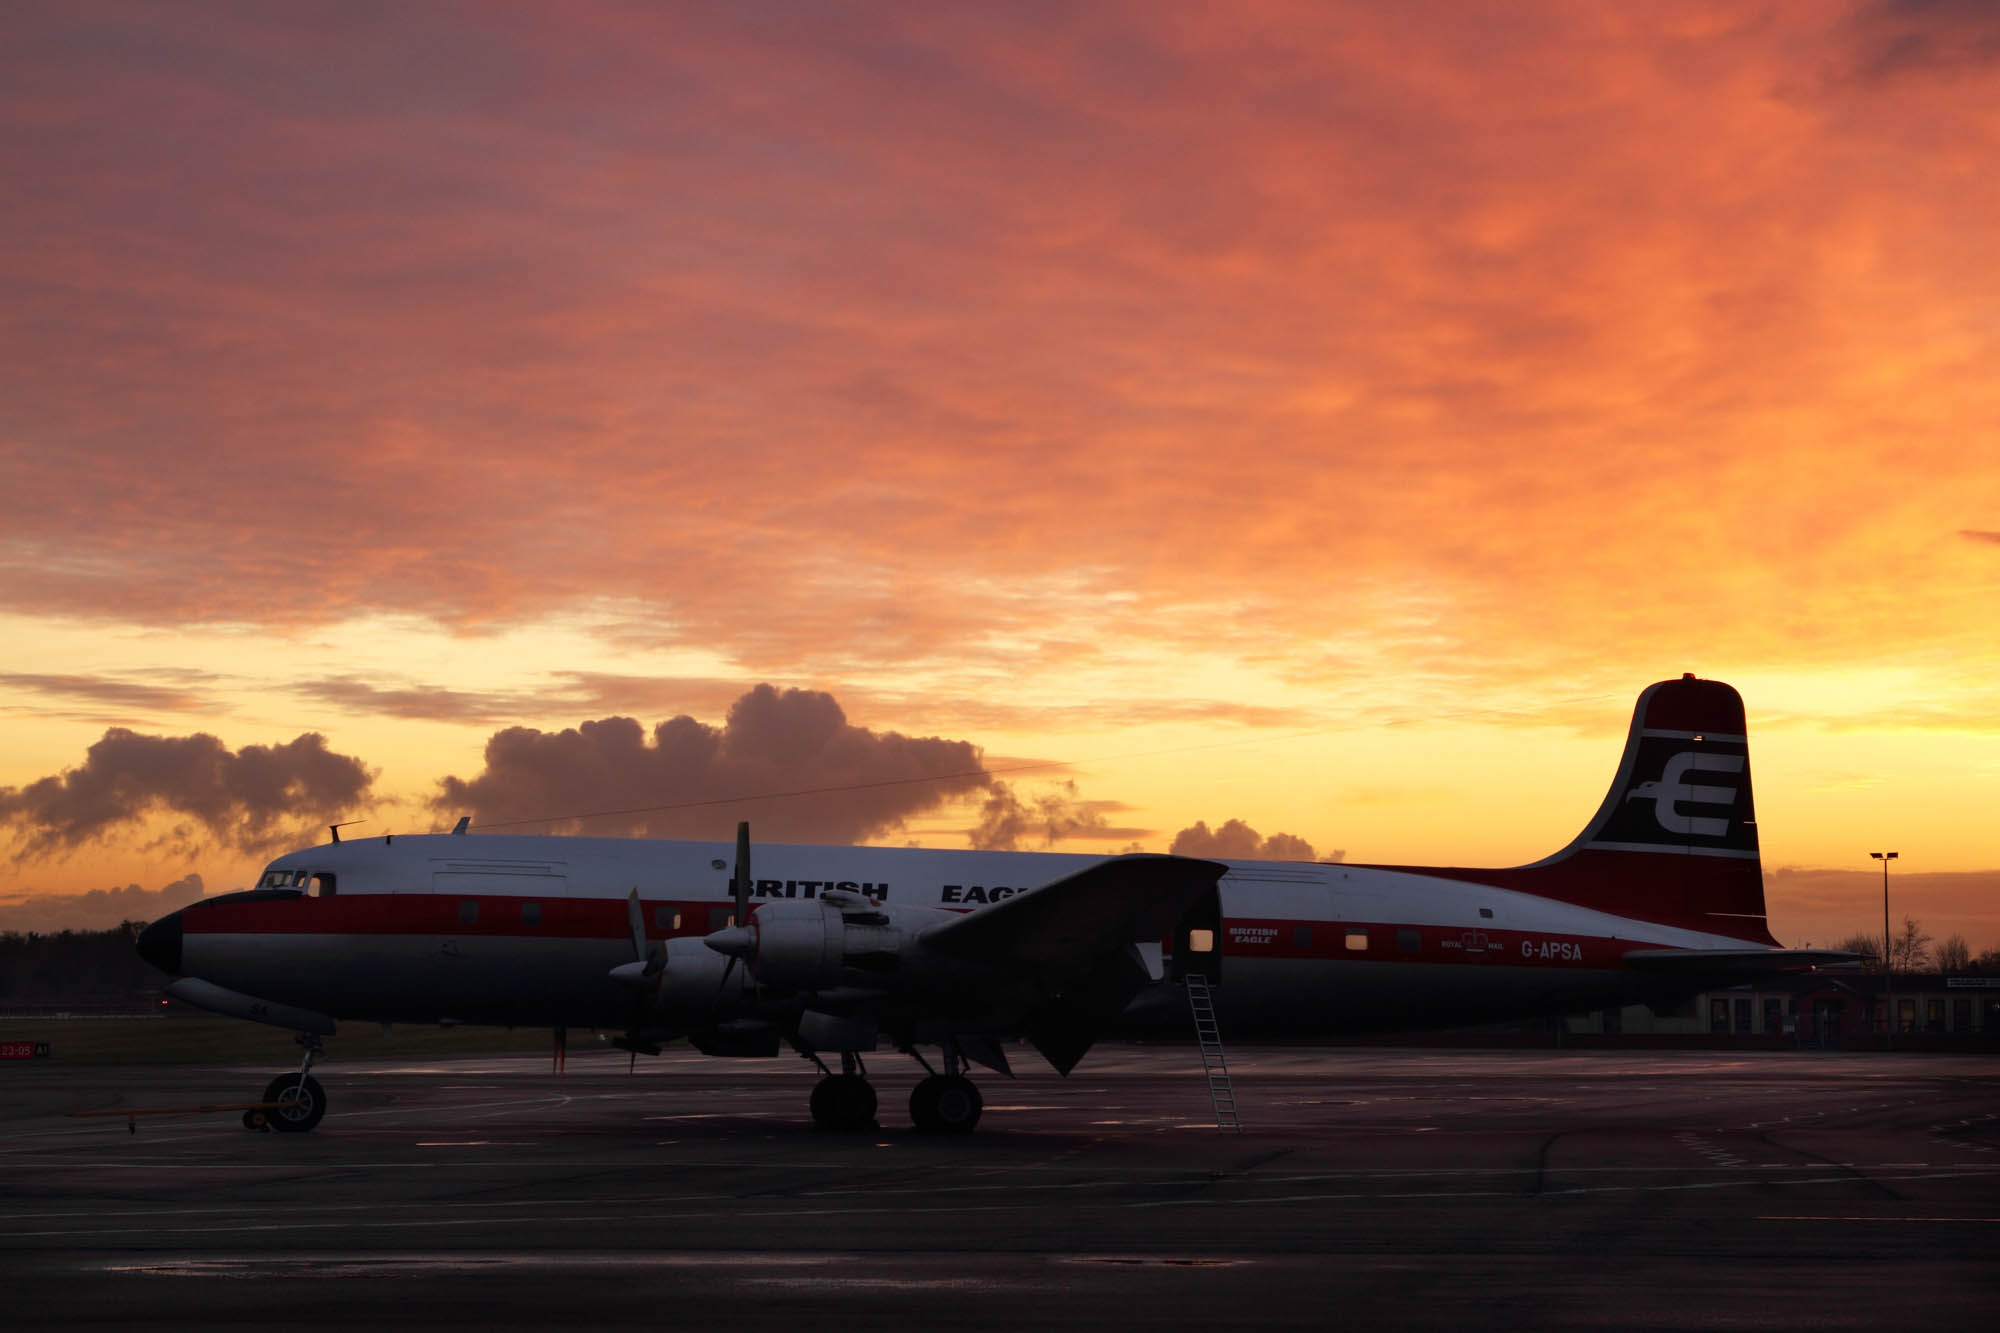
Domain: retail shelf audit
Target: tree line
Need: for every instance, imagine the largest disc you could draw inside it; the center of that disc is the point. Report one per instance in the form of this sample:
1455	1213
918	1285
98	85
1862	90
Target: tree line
80	967
1912	949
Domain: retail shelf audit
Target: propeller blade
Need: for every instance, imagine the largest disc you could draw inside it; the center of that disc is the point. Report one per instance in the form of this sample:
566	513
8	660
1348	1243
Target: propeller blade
635	917
739	882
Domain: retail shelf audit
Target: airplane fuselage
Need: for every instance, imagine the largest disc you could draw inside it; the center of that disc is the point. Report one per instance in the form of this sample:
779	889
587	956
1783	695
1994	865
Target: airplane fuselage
524	931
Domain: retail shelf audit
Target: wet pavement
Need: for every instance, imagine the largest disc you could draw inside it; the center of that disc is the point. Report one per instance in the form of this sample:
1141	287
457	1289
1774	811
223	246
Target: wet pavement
1420	1188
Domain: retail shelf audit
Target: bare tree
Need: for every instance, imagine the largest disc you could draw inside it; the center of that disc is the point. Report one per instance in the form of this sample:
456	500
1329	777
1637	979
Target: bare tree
1953	955
1868	946
1911	948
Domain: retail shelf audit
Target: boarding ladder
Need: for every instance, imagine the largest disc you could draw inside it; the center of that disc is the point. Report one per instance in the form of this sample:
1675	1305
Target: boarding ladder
1221	1094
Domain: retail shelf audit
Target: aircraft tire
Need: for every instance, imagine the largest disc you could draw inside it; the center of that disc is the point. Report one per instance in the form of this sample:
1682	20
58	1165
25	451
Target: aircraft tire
301	1115
844	1103
946	1104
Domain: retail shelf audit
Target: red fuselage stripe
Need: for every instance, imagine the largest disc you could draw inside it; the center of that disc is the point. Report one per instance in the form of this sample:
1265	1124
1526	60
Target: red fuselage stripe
504	917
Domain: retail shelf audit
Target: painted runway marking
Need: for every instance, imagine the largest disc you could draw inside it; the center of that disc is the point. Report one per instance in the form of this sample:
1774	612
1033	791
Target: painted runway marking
1867	1217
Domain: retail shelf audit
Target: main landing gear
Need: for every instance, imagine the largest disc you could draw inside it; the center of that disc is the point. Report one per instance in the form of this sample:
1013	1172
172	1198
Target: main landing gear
300	1101
946	1103
843	1102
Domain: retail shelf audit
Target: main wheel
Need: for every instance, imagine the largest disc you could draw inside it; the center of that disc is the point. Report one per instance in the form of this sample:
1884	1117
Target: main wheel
843	1102
302	1103
946	1104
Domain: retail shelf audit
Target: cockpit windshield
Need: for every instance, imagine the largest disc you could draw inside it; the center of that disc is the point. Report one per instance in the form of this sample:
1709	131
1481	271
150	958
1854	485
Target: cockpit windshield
282	879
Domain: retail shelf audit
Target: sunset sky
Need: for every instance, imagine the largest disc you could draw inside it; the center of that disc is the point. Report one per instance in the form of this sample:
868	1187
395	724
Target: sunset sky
1325	416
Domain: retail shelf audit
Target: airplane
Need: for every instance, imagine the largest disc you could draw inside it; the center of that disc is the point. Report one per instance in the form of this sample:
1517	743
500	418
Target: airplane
839	949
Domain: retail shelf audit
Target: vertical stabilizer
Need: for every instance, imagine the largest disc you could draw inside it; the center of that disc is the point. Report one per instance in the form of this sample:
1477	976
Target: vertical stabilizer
1675	841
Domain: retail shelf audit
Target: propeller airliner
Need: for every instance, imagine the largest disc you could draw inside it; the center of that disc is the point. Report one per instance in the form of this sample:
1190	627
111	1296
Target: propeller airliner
835	951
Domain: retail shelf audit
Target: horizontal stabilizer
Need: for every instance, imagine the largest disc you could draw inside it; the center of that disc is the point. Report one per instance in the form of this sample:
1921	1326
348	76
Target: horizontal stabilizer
1737	964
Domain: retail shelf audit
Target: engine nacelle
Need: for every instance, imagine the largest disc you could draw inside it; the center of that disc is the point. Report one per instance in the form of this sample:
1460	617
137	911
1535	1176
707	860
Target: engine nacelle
692	986
823	943
796	944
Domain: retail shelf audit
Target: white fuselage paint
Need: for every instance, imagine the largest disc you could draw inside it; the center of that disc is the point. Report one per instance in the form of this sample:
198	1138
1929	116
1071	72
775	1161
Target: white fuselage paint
1438	952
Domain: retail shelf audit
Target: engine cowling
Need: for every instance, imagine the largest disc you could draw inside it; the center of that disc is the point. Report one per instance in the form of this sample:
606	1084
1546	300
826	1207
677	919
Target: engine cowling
693	987
818	944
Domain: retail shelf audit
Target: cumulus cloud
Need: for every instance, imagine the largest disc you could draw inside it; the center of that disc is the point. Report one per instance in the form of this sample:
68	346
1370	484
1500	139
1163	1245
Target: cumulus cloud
691	779
250	799
1007	822
1237	841
99	909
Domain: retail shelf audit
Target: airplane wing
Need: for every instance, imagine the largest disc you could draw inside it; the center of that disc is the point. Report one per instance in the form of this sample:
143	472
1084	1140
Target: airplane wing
1071	921
1736	964
1077	939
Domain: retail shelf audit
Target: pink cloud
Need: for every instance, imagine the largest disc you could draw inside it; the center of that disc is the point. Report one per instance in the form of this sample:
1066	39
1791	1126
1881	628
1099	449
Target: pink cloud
249	799
691	779
1593	327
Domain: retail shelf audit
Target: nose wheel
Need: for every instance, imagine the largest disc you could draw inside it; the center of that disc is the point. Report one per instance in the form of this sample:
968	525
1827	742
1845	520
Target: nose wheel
301	1103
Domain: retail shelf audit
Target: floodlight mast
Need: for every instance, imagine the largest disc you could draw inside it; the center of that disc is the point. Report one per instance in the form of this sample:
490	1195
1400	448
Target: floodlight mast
1888	947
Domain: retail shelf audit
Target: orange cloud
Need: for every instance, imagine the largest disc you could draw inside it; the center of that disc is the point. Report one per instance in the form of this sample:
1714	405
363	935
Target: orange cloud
1524	315
1042	370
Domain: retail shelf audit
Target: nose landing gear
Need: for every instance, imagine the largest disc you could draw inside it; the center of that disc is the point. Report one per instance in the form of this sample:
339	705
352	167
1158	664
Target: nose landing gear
301	1103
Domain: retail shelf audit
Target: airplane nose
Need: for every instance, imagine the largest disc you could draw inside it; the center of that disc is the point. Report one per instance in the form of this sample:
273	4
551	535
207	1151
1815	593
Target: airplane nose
160	943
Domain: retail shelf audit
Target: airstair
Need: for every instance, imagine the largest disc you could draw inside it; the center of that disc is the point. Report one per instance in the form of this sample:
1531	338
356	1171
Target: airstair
1221	1094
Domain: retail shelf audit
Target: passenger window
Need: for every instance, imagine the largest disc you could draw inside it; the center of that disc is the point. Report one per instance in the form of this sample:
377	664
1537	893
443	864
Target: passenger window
1302	937
1357	941
468	911
1409	941
1201	941
719	917
531	914
666	918
322	885
1486	914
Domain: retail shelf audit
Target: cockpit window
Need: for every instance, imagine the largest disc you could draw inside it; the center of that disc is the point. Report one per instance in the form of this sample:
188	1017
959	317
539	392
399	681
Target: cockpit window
275	879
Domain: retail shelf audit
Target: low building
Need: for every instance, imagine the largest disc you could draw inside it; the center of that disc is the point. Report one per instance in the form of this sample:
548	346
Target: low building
1835	1011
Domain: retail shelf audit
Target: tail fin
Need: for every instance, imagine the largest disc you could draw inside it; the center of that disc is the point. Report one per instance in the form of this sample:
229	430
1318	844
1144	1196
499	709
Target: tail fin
1675	842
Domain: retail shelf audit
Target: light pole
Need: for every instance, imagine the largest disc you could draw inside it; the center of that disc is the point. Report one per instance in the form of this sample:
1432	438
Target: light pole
1888	975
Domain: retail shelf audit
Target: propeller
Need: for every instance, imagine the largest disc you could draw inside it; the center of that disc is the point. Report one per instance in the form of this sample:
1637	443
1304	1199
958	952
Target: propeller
635	917
644	972
736	942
